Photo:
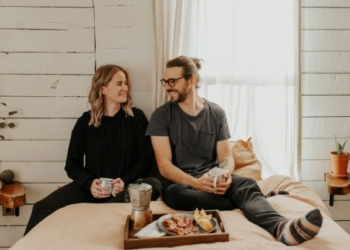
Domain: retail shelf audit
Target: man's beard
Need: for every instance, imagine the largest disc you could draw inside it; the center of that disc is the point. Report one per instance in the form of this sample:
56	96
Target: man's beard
182	94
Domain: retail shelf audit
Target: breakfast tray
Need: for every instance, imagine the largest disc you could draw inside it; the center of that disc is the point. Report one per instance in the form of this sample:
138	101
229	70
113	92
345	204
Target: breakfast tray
218	235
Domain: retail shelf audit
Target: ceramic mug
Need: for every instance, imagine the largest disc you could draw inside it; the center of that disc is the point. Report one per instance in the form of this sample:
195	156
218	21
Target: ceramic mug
107	182
217	174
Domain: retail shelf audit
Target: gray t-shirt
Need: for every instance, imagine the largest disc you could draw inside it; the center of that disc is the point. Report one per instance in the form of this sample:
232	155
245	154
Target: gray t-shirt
192	138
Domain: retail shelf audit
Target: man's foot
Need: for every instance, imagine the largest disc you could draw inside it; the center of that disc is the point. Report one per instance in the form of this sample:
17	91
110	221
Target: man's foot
295	232
276	192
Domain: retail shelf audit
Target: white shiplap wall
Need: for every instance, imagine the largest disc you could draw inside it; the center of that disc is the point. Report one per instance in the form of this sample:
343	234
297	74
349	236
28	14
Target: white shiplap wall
325	84
125	36
49	50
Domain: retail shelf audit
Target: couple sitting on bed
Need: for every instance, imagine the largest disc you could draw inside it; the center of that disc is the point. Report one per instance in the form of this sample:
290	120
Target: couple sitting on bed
189	136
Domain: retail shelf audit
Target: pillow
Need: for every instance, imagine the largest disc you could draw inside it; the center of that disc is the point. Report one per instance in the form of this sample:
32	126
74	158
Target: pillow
246	162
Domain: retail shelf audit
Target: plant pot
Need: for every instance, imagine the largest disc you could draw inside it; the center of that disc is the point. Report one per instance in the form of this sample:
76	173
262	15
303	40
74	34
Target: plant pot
339	164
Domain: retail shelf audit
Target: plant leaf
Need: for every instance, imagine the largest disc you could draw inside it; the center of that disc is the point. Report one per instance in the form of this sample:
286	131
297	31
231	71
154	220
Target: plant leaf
336	143
3	104
12	112
11	125
2	125
338	146
2	137
342	149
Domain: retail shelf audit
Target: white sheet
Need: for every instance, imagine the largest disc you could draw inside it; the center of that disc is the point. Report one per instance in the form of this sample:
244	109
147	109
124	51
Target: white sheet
101	226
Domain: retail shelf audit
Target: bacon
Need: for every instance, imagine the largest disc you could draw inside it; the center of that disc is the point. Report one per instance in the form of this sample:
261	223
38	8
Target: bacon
188	230
170	225
180	231
177	219
188	221
180	225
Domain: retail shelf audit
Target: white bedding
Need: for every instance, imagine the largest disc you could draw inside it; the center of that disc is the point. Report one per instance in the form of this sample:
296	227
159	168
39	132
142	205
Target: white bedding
101	226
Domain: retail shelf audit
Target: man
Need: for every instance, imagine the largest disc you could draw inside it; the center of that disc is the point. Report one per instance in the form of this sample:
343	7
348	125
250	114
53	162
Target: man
190	136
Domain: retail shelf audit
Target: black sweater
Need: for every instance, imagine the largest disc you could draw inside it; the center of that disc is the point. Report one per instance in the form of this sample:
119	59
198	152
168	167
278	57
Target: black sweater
117	148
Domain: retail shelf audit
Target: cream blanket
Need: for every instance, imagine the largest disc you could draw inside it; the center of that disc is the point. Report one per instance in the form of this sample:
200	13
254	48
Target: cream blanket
101	226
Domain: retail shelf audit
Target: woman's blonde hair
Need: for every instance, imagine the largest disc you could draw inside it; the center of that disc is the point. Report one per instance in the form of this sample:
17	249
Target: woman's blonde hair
102	77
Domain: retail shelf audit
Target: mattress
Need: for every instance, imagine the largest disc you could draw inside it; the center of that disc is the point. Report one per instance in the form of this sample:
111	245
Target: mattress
101	226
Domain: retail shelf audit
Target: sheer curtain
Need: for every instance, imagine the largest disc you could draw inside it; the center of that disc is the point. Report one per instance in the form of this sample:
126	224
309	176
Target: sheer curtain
250	50
168	19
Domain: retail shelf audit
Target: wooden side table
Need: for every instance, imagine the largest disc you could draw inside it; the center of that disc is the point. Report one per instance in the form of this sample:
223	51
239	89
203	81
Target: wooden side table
13	195
336	186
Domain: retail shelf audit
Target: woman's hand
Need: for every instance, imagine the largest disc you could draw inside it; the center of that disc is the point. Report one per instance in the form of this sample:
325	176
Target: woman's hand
118	186
97	191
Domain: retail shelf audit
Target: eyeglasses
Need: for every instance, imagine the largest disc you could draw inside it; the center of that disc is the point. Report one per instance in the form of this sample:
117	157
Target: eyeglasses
171	82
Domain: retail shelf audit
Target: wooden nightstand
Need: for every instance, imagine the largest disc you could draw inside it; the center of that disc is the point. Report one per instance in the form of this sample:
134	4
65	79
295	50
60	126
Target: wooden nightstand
336	186
12	196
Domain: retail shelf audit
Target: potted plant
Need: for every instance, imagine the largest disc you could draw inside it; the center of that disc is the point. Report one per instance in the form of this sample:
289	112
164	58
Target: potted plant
339	161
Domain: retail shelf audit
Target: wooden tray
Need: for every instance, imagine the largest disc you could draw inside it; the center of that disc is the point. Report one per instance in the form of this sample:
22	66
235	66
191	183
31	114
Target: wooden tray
219	235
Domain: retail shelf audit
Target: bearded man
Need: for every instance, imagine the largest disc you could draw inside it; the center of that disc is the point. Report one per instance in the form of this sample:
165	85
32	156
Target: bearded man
190	136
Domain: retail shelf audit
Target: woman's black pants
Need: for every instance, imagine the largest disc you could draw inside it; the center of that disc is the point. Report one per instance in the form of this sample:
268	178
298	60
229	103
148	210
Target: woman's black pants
72	194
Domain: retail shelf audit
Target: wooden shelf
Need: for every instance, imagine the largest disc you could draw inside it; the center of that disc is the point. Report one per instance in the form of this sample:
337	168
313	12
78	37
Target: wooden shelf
337	186
12	195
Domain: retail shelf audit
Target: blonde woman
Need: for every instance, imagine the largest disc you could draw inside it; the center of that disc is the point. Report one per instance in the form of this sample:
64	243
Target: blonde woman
111	138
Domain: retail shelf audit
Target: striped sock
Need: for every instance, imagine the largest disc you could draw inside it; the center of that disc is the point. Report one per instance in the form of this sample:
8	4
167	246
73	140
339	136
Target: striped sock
276	192
295	232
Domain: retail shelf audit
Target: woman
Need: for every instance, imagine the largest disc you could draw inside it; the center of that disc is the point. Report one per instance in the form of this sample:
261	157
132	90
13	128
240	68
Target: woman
112	139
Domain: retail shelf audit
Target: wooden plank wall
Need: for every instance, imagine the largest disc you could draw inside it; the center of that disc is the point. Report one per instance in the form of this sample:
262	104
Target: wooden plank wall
325	84
49	50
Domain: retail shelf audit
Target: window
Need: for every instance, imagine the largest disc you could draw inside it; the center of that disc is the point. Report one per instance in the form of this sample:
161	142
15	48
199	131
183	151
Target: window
250	52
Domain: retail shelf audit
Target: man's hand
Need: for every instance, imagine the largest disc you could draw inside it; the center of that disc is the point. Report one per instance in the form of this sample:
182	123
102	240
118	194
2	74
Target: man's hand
221	187
205	183
97	191
118	186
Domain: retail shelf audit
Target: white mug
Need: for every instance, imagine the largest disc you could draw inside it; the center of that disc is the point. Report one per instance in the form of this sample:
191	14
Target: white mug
107	182
217	174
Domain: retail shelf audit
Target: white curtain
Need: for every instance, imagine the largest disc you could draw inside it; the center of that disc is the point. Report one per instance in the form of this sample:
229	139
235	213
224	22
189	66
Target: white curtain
168	19
250	50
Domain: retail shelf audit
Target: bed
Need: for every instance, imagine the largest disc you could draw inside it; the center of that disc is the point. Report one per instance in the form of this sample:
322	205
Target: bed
101	226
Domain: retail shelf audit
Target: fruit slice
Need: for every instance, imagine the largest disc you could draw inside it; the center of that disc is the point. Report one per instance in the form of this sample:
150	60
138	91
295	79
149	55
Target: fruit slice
196	215
203	214
205	224
200	215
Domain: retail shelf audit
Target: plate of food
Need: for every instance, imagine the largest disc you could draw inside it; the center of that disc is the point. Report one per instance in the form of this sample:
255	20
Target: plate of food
187	223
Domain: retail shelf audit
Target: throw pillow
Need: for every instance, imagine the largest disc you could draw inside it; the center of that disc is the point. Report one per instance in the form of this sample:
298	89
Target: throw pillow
246	162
